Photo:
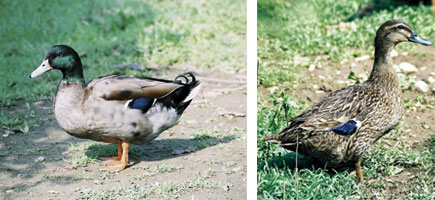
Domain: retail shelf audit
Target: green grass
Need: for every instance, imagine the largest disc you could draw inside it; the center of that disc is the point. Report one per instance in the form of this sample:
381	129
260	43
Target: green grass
295	34
21	122
156	34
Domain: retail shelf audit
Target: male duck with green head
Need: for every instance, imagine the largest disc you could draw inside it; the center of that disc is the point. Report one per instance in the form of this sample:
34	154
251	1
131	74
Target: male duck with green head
115	109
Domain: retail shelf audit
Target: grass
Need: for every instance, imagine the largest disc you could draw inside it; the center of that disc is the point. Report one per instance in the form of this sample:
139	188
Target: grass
17	122
159	35
295	34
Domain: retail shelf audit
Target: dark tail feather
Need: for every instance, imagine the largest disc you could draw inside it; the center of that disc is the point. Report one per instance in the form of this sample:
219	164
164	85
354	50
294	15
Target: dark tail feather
181	97
185	77
180	79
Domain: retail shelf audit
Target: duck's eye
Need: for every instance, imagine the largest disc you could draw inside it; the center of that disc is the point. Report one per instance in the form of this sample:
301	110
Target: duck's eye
398	28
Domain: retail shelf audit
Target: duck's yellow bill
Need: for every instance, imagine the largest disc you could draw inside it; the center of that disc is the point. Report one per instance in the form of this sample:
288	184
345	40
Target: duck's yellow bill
44	67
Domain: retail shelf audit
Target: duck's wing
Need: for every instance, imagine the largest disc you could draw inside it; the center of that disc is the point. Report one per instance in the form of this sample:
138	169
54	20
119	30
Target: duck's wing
337	108
341	111
126	88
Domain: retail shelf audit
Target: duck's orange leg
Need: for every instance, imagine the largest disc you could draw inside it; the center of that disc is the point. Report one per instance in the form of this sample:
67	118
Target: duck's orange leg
359	172
124	159
113	160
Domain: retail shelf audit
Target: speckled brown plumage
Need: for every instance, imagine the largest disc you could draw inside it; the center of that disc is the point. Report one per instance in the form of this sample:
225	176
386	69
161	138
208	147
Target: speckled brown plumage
376	104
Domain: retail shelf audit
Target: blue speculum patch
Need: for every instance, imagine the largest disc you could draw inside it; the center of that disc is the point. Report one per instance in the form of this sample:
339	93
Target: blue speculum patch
346	128
141	103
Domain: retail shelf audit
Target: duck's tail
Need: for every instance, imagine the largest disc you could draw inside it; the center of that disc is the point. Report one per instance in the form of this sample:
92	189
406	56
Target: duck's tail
180	98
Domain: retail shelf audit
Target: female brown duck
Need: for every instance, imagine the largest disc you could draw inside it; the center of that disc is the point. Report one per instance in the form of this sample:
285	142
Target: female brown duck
338	129
115	109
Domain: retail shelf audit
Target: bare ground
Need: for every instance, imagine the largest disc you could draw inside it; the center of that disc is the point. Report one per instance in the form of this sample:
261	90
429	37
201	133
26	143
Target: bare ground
47	163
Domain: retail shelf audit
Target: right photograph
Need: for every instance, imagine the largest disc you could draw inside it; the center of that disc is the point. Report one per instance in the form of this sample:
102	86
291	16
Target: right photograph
346	98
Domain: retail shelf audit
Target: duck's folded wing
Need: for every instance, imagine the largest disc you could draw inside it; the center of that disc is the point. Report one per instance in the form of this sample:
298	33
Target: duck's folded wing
338	110
126	88
341	111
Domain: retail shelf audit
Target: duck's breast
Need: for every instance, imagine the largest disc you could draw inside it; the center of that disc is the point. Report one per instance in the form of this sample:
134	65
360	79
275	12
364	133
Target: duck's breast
67	105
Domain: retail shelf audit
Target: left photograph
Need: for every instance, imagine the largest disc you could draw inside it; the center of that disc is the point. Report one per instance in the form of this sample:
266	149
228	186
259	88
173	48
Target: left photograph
123	100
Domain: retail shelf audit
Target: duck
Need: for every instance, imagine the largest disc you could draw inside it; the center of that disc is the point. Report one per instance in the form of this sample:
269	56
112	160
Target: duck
337	130
115	109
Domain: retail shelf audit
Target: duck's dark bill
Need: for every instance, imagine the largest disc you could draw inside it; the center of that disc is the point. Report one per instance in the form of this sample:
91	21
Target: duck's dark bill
417	39
44	67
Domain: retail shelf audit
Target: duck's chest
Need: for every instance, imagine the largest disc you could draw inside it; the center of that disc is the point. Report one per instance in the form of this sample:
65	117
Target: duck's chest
67	105
393	108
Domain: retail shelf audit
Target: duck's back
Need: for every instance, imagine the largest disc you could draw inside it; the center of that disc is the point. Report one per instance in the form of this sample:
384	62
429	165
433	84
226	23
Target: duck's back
115	87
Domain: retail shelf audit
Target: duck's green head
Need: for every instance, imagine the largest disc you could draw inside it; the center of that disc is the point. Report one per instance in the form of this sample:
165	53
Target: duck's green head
396	31
63	58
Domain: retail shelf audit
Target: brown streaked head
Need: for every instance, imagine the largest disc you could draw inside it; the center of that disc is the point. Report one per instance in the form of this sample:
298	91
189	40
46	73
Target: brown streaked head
396	31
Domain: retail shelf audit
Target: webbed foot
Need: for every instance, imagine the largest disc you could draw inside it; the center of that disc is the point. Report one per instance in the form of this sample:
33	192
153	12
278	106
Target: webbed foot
120	162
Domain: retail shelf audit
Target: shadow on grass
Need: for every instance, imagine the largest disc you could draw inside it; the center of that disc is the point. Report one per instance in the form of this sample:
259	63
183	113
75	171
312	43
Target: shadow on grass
430	143
288	161
159	149
29	155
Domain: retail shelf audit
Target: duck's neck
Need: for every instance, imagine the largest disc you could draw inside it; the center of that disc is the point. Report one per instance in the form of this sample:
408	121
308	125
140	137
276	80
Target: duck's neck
70	79
70	91
75	74
383	73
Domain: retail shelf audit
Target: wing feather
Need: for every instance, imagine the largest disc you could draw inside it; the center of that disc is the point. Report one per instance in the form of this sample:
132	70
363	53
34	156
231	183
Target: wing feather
336	108
124	88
